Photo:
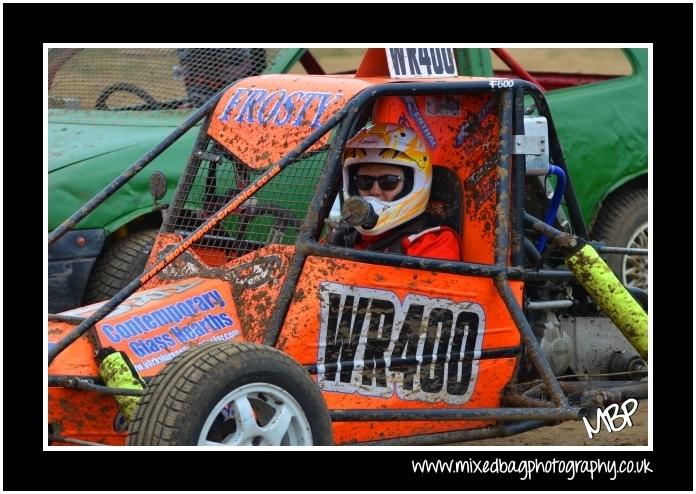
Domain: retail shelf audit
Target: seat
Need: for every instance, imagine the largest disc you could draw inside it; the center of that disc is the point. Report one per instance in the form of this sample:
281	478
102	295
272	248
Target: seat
445	202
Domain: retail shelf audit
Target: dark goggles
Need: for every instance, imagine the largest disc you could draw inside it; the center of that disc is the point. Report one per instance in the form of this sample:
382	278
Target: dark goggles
386	182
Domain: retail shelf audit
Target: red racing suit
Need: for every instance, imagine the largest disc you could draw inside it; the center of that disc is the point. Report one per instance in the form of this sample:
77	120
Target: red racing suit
439	242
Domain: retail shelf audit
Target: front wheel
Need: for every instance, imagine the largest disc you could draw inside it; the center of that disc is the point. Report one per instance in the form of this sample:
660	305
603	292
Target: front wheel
232	394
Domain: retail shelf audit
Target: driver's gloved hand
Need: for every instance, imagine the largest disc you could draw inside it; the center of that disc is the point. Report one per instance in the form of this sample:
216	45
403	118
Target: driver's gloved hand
344	236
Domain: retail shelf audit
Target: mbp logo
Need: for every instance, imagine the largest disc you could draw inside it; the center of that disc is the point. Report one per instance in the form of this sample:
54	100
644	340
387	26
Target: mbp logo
425	348
609	416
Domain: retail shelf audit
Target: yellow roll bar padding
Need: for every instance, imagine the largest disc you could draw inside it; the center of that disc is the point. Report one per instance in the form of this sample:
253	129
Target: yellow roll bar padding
115	373
611	296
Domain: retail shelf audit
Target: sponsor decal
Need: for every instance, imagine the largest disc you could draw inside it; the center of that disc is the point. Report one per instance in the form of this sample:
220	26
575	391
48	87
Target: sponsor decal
443	106
156	325
412	108
472	132
172	325
257	272
260	106
481	183
423	348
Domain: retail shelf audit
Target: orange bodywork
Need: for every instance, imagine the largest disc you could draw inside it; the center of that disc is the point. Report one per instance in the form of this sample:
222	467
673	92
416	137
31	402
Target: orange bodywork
380	337
307	324
77	413
235	301
262	118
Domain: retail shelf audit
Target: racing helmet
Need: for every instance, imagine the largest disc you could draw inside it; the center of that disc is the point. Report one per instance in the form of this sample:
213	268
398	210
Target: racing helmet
390	144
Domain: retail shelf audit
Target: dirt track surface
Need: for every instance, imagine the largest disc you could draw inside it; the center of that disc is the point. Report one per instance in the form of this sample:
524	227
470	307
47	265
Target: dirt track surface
574	434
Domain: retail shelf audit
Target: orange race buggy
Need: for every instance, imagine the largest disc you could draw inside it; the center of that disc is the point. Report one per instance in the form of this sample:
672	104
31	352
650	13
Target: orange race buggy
248	328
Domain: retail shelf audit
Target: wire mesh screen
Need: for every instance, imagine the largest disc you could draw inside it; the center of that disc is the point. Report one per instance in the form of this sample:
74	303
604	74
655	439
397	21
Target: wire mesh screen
147	78
271	216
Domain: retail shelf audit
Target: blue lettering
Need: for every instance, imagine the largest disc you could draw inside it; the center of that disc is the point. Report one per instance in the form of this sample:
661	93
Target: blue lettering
274	110
300	115
168	341
215	322
226	319
133	327
192	306
161	317
232	103
149	321
218	298
289	106
176	331
202	323
277	107
188	332
161	344
109	332
201	303
184	309
325	99
141	325
137	347
209	299
200	331
248	108
123	331
152	346
413	110
173	312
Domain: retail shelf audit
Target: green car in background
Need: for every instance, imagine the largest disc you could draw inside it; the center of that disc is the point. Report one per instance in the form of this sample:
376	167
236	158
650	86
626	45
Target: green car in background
602	121
109	107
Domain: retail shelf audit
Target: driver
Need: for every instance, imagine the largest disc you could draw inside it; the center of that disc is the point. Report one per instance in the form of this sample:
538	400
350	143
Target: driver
389	167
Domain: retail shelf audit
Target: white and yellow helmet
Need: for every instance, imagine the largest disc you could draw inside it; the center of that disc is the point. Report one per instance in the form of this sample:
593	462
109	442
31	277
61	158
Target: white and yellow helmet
390	144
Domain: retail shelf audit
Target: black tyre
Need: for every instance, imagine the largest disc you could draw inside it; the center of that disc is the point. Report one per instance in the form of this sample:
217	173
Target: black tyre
119	264
231	393
150	102
623	222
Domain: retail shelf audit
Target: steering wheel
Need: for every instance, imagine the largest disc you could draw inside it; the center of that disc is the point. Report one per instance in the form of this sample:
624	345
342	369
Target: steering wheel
150	102
284	219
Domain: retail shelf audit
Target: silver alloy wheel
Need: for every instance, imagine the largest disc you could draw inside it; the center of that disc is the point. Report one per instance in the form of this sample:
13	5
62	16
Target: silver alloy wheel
635	268
256	414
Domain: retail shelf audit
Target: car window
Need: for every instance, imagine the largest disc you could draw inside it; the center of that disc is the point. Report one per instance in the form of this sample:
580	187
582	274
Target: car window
147	79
